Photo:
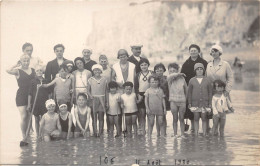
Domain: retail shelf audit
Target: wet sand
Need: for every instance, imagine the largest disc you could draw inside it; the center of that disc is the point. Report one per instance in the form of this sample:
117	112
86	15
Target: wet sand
239	146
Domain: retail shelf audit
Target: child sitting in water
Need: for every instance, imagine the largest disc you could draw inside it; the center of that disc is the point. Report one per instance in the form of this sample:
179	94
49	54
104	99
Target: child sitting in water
65	117
177	96
50	125
220	105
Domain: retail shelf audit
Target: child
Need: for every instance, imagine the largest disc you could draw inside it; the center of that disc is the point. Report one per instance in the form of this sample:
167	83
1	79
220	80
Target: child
39	108
141	85
50	125
82	114
128	104
97	87
220	106
177	96
199	97
114	111
63	86
155	105
159	69
65	117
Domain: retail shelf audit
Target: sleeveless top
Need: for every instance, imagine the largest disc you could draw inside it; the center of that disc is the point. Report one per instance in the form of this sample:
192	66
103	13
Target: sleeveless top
98	87
83	117
119	75
81	78
129	103
62	89
64	123
107	74
113	104
24	79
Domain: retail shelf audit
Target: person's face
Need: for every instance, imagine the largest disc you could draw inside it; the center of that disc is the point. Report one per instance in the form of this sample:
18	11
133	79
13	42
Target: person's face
128	90
81	101
136	51
154	83
123	56
59	52
63	109
112	90
97	72
51	108
159	71
172	70
70	68
25	62
28	50
39	72
215	53
79	64
194	53
199	71
103	63
86	53
219	89
63	73
144	67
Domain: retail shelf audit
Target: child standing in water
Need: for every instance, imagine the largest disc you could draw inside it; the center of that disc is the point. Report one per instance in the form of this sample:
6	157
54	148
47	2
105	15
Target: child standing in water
114	111
155	106
50	125
39	108
65	117
199	97
141	85
82	114
97	91
177	96
63	86
128	104
220	105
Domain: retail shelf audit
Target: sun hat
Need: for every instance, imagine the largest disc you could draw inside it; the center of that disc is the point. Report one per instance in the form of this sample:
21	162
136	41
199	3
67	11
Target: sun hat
49	102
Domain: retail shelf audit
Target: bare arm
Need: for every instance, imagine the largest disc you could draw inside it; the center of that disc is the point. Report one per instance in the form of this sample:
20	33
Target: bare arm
42	123
50	84
88	119
89	90
58	123
190	87
185	87
70	125
13	70
77	119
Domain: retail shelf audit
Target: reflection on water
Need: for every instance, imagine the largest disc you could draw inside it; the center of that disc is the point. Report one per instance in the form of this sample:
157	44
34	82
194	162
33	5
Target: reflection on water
239	146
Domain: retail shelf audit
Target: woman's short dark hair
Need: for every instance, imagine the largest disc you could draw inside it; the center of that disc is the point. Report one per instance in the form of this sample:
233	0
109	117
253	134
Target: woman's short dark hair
26	45
143	60
159	65
194	46
112	84
59	45
128	83
83	95
219	84
64	67
122	50
79	58
173	65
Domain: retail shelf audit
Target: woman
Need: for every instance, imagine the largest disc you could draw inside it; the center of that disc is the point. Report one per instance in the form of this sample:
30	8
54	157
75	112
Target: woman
88	63
188	70
219	70
123	70
24	74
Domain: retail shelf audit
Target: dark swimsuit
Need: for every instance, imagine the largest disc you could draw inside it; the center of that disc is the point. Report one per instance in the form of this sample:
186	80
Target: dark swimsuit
65	124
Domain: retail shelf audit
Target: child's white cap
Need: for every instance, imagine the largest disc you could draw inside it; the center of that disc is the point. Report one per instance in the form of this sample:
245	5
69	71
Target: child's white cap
197	65
97	66
50	102
62	105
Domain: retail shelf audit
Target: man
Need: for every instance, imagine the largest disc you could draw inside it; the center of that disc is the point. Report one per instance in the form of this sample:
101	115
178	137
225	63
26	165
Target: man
135	58
52	67
88	62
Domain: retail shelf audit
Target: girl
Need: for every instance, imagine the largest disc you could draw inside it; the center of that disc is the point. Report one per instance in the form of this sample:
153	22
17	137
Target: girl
65	117
39	108
141	85
155	105
178	92
23	75
128	104
97	87
220	105
63	86
82	114
159	69
50	125
199	97
114	111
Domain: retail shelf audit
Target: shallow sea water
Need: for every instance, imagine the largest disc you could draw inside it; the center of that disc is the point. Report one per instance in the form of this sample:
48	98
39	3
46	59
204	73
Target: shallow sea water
239	146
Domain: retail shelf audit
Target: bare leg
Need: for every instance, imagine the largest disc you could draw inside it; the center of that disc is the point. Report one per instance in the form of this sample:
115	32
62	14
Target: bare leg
174	110
24	119
101	122
204	123
160	120
111	123
37	124
151	124
128	121
196	122
182	110
215	124
133	118
222	124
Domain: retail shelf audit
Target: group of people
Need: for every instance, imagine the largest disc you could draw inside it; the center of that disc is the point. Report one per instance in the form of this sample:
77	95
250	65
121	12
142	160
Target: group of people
66	94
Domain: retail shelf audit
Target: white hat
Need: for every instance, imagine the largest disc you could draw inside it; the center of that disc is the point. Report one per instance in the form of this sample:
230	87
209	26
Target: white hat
97	66
49	102
218	47
137	45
